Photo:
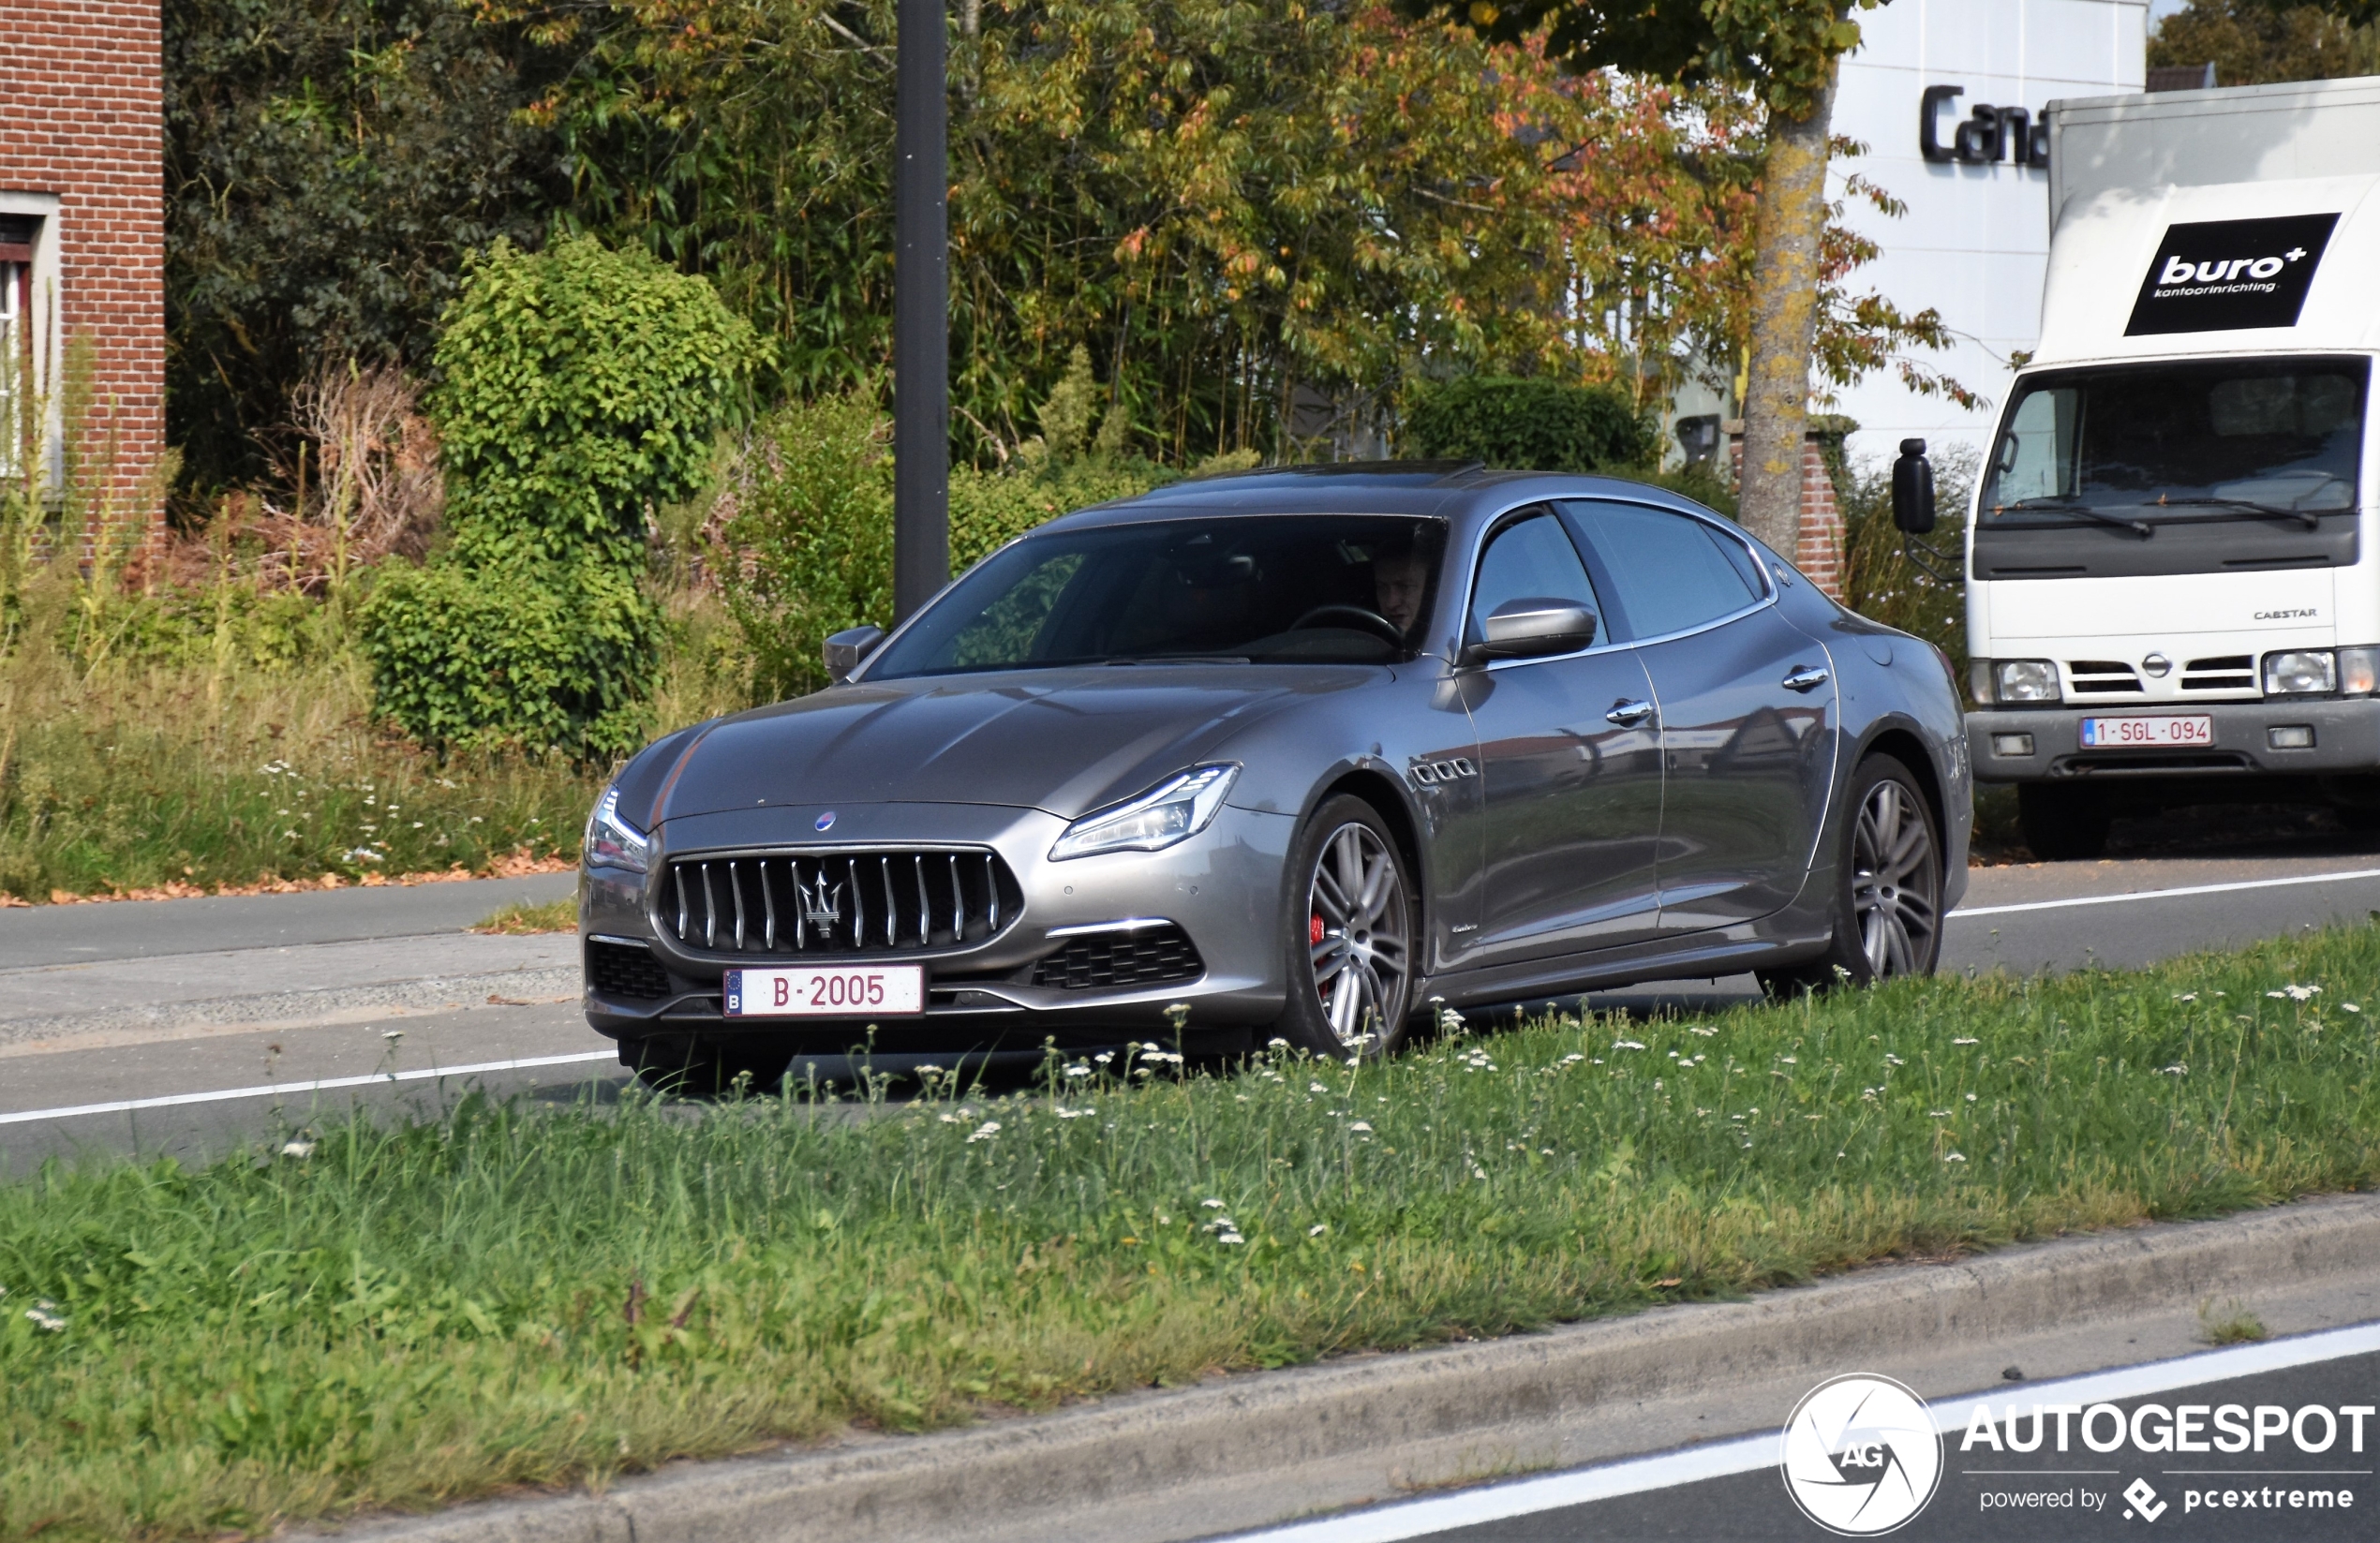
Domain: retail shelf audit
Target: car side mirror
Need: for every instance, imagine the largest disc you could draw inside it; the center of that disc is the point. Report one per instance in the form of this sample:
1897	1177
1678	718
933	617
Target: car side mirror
848	649
1913	489
1536	626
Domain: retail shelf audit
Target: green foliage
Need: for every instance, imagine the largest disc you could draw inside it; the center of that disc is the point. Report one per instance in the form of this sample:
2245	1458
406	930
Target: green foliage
402	1314
580	387
327	165
804	506
1528	425
989	509
542	655
2252	42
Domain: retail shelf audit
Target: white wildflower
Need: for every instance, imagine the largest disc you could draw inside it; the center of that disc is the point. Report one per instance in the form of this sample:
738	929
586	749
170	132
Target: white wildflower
1317	1229
2297	993
2176	1069
985	1132
297	1149
2185	996
1079	1069
1954	1157
1788	1060
2350	1007
1938	1114
1276	1043
1211	1205
1628	1045
1316	1088
1968	1039
1229	1238
46	1317
1573	1055
1891	1060
1359	1128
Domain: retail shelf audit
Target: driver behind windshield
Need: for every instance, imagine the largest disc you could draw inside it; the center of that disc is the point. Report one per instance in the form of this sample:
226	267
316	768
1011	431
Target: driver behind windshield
1400	577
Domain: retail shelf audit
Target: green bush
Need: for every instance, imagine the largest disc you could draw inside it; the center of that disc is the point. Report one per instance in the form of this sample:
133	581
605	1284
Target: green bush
540	655
1528	425
989	509
582	389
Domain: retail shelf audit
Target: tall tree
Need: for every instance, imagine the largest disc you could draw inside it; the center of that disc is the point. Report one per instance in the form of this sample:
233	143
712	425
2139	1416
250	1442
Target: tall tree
2250	42
1787	54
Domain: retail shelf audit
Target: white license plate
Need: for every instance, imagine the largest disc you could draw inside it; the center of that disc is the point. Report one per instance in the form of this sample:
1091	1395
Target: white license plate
2147	733
826	992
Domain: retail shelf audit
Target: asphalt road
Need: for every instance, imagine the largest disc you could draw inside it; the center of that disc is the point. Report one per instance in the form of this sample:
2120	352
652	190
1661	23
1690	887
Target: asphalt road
185	1027
1736	1489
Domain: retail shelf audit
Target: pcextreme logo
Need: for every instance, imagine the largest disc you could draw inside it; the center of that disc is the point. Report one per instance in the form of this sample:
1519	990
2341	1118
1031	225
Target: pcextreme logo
1860	1456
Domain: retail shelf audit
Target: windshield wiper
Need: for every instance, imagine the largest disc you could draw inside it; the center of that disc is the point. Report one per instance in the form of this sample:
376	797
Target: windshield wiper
2306	517
2075	506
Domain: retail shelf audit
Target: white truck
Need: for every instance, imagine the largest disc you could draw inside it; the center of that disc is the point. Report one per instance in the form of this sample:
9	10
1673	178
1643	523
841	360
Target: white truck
2173	562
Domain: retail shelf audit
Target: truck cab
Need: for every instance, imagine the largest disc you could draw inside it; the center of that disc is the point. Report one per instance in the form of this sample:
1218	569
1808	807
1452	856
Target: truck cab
2173	560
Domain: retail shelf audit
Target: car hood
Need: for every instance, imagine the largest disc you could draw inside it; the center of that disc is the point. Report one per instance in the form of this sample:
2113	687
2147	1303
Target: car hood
1066	742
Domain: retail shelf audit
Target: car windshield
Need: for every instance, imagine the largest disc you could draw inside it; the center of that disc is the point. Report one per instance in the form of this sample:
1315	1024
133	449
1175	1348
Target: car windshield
2204	440
1249	588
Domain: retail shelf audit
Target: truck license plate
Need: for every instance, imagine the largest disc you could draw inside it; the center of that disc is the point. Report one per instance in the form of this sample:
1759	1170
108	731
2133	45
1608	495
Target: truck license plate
2147	733
826	992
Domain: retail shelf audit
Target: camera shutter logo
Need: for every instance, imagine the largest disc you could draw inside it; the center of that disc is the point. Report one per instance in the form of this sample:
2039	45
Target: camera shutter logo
1860	1455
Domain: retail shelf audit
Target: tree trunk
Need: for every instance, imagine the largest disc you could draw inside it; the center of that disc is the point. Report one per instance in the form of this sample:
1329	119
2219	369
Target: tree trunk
1791	215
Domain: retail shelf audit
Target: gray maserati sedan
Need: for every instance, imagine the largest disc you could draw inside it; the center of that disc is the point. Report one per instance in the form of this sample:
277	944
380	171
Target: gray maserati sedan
1297	753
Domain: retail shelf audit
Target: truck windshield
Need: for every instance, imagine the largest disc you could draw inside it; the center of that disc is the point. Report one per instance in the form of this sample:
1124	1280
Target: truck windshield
2201	439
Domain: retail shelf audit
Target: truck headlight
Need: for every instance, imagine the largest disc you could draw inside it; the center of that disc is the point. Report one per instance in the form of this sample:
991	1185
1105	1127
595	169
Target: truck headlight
2300	671
2025	680
1174	810
611	841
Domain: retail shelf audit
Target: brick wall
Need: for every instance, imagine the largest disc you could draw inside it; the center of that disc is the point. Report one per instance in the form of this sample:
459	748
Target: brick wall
81	117
1817	550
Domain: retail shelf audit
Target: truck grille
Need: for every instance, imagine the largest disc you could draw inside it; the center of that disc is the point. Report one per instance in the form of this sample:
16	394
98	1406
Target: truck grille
2102	677
1106	960
897	899
2229	673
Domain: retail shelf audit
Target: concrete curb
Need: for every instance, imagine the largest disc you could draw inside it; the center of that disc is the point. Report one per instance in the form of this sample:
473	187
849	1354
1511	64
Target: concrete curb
278	1009
1187	1463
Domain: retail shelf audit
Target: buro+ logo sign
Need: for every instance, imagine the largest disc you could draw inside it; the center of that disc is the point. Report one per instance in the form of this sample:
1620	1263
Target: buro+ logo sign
1860	1456
2218	275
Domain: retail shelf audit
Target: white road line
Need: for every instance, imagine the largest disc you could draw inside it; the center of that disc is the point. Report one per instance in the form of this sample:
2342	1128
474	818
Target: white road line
2165	894
1750	1454
321	1085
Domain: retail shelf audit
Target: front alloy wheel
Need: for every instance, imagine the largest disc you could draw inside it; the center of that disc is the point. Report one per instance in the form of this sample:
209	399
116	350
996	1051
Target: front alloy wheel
1356	928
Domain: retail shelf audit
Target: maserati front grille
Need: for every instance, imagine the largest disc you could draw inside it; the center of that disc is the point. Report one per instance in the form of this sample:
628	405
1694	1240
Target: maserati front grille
899	900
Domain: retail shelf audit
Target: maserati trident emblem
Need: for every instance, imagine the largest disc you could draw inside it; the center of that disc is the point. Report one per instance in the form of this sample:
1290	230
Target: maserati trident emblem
821	907
826	821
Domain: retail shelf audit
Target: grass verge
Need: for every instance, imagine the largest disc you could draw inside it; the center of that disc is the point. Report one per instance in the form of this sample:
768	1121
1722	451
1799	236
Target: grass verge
521	917
410	1315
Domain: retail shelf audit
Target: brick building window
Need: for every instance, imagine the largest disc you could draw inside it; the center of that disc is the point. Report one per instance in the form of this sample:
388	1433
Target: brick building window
17	234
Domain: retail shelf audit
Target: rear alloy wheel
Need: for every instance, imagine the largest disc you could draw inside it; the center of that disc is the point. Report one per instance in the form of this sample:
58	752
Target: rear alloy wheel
1352	947
1888	901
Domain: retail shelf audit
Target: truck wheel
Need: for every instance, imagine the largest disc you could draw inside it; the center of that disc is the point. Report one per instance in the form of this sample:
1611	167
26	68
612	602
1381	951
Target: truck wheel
2062	822
1354	931
690	1066
1888	888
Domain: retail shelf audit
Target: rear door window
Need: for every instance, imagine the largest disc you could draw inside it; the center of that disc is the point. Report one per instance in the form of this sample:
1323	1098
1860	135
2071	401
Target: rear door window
1667	572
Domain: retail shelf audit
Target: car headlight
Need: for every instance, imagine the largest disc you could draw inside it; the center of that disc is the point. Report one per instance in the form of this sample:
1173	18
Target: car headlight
1174	810
611	841
2025	680
2300	671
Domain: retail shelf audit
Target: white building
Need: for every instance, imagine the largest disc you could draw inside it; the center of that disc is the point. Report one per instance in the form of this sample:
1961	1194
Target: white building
1975	241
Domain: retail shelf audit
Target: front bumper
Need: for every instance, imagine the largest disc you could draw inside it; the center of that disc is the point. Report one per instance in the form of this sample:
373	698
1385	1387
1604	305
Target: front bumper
2345	734
1222	887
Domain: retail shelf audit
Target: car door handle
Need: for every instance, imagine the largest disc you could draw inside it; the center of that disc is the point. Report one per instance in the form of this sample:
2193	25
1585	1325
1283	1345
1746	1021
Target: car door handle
1627	714
1807	678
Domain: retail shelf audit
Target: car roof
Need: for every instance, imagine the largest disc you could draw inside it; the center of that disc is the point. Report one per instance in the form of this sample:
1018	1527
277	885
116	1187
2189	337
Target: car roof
1453	490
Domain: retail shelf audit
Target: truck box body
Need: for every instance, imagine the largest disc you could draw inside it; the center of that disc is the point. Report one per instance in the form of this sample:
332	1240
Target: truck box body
2182	494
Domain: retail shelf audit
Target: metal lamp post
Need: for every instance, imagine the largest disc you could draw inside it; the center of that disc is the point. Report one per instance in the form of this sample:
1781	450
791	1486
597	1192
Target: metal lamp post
921	311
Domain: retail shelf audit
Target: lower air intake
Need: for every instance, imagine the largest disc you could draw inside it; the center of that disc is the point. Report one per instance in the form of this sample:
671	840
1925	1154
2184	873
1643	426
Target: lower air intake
627	970
1113	960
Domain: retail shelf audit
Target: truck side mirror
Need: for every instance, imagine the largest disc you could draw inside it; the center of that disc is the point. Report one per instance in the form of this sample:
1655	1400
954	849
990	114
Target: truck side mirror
846	649
1913	489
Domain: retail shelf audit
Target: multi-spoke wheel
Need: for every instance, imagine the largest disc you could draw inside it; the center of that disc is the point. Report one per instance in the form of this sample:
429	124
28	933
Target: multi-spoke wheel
1896	880
1888	887
1351	975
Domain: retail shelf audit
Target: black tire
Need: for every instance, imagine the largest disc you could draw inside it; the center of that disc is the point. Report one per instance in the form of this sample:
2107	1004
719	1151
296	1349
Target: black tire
1888	887
2062	822
689	1066
1353	935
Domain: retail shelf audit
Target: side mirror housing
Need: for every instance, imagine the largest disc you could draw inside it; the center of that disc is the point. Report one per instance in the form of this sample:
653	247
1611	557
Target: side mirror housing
846	650
1532	626
1913	489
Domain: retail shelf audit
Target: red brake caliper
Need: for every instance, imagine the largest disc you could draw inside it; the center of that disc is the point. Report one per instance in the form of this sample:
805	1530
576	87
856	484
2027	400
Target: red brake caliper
1314	929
